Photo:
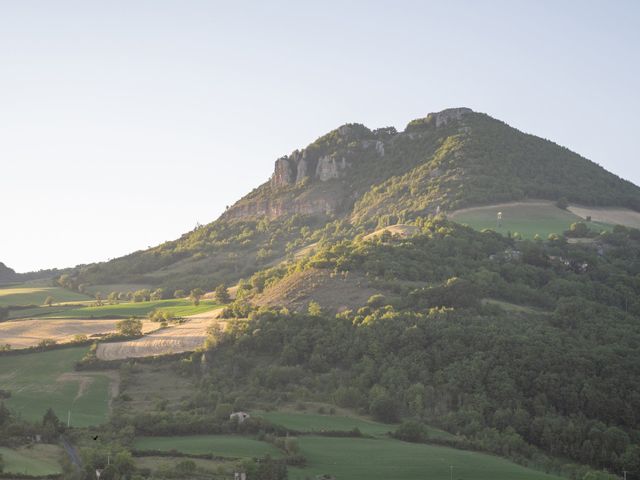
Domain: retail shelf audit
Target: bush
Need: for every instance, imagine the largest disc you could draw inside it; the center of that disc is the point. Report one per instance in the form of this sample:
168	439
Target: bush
385	409
411	431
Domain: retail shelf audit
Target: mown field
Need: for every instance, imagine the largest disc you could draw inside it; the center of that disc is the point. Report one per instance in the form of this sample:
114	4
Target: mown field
526	218
383	459
35	461
220	445
36	295
178	307
38	381
25	333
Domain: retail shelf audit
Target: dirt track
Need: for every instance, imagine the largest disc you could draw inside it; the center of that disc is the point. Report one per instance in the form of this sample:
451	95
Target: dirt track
185	337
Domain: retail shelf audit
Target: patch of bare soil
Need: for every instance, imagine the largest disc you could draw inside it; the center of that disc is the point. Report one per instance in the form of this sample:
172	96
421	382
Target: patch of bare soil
332	291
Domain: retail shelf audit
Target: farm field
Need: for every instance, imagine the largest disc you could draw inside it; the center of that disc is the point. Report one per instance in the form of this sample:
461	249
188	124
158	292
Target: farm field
38	460
36	295
382	459
41	380
184	337
28	333
315	422
342	421
179	307
163	463
526	218
235	446
613	216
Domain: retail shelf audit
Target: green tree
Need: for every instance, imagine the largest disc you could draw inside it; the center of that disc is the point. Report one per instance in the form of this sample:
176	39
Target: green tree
221	294
314	309
158	294
562	203
113	298
48	301
376	301
98	299
185	468
123	461
195	295
179	294
129	327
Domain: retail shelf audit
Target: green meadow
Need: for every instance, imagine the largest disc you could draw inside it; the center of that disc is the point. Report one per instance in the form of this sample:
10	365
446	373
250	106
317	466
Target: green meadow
527	219
36	461
179	307
315	422
41	380
220	445
383	459
36	295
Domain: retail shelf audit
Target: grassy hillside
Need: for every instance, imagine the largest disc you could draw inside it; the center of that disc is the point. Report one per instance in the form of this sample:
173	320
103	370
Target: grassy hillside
38	381
218	445
28	295
38	460
525	218
445	162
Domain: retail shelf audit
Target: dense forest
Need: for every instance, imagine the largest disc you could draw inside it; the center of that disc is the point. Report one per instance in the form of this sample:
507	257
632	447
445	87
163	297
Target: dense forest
548	372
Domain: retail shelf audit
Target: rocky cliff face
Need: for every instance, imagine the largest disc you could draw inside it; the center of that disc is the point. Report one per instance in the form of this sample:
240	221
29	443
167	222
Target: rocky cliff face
333	157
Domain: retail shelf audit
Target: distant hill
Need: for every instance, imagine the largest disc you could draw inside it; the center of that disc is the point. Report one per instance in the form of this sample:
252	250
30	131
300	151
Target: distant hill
354	180
7	275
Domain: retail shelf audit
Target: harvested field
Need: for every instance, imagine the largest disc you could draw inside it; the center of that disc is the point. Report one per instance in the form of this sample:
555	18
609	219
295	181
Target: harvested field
28	333
613	216
184	337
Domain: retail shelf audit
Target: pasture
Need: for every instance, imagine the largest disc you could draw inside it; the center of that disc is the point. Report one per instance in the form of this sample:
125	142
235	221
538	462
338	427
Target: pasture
179	307
36	295
382	459
315	422
35	460
163	463
526	218
232	446
41	380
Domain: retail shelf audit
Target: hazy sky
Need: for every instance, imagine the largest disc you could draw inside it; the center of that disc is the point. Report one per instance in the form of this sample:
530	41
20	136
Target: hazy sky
123	123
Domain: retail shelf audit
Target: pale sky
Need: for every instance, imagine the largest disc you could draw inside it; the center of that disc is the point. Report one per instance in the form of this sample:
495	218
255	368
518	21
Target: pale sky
123	123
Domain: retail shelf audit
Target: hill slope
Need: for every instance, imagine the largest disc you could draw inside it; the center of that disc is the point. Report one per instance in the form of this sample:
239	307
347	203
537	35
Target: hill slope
354	179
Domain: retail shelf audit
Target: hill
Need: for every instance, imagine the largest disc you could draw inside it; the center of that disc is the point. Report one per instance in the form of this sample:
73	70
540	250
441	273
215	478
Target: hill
7	275
354	180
